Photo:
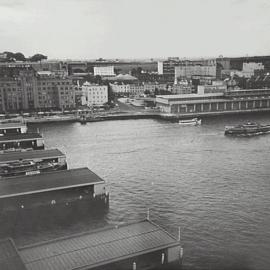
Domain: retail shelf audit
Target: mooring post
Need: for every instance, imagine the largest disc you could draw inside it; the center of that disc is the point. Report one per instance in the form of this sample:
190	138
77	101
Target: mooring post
148	214
134	266
179	234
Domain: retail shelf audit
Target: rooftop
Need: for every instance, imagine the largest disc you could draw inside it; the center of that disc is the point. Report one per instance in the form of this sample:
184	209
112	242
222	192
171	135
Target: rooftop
186	96
93	249
19	137
11	125
38	183
29	155
9	257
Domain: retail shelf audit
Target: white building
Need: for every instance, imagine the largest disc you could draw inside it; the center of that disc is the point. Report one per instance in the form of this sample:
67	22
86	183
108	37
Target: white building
94	94
104	71
249	68
120	88
136	89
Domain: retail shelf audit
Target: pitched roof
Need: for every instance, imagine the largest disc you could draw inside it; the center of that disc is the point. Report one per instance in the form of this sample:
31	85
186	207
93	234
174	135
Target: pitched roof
99	248
56	180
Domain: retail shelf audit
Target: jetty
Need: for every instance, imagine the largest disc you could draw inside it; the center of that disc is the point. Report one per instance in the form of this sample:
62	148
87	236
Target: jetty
21	141
141	245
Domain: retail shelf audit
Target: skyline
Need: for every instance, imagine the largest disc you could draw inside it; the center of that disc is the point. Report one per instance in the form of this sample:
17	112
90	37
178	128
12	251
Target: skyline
123	29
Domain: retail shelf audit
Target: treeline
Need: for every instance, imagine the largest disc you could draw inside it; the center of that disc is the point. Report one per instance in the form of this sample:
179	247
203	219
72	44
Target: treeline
18	56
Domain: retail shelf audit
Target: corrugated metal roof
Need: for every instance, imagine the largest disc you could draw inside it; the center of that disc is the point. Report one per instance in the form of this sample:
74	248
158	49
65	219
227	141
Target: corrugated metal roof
99	248
21	185
9	257
19	137
30	155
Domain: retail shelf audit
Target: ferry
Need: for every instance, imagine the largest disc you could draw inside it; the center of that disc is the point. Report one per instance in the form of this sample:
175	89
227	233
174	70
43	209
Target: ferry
190	122
247	129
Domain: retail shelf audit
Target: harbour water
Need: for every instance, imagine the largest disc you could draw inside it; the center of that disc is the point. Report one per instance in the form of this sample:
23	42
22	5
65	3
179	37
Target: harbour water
216	188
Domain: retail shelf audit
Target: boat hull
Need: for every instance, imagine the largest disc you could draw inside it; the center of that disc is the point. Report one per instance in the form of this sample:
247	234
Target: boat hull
247	132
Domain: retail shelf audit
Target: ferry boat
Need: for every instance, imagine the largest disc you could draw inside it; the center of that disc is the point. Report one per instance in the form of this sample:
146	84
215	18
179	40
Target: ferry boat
247	129
190	122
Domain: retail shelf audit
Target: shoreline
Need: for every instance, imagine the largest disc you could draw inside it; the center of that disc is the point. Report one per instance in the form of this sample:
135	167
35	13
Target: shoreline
139	115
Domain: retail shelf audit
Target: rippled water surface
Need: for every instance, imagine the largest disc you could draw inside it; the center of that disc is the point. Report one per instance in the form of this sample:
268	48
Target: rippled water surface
216	188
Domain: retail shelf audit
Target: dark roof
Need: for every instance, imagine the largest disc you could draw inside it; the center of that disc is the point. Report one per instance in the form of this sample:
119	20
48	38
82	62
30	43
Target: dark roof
99	248
19	137
9	257
11	125
21	185
30	155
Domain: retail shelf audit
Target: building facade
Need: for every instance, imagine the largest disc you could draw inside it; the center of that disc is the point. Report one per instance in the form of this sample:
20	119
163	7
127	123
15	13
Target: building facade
234	101
94	94
118	88
104	71
54	93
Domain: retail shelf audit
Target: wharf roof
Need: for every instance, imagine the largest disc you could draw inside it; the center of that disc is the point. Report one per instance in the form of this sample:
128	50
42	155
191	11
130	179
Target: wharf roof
38	183
189	96
30	155
11	125
99	248
20	137
9	257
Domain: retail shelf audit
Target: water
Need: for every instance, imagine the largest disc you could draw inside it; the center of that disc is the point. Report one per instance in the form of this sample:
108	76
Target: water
215	187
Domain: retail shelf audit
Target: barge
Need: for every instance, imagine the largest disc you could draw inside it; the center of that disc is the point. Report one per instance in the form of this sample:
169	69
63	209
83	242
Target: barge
142	245
21	141
31	162
12	128
247	129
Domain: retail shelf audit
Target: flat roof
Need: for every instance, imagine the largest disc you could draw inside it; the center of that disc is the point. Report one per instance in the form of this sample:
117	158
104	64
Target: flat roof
56	180
98	248
9	257
11	125
20	137
30	155
183	96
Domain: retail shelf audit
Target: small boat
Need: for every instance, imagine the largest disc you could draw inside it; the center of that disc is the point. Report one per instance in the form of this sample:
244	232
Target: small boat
247	129
190	122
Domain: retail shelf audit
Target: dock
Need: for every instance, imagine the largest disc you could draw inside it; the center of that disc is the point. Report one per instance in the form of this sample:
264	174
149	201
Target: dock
16	163
38	155
51	181
141	245
13	128
21	141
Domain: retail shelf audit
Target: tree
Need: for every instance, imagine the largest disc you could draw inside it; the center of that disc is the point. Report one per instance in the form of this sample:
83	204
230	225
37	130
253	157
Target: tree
38	57
19	56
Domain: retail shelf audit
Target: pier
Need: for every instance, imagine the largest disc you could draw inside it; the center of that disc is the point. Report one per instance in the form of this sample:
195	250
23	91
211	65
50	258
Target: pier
141	245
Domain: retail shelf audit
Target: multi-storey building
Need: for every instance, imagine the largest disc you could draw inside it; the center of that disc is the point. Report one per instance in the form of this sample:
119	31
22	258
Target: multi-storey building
136	89
104	71
94	94
120	88
54	92
195	70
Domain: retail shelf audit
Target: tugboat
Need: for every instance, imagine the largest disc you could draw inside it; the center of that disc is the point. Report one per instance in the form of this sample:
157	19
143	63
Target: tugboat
247	129
190	122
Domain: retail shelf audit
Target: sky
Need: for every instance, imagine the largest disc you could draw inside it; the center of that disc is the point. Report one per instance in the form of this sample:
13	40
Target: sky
90	29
